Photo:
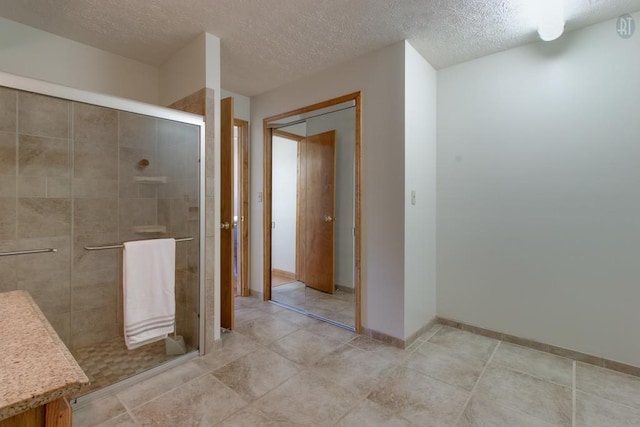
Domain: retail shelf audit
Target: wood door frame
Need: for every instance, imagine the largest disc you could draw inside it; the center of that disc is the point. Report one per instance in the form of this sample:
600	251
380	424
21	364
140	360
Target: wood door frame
227	288
268	132
243	161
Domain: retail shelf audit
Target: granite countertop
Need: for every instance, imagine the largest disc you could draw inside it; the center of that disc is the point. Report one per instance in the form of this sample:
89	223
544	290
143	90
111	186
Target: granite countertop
35	365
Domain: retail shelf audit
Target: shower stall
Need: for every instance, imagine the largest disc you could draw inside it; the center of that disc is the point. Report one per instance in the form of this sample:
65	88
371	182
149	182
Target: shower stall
80	174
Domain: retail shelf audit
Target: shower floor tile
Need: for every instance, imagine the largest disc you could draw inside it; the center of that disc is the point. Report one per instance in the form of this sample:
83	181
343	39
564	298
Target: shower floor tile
108	362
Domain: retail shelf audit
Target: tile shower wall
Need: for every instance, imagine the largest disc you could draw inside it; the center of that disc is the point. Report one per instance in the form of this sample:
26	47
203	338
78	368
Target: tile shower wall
67	181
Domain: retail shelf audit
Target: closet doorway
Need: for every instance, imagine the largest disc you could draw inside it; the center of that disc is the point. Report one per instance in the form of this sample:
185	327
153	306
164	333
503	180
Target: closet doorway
312	210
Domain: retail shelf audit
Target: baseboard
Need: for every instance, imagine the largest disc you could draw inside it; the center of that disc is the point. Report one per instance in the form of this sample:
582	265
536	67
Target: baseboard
547	348
283	274
380	336
413	337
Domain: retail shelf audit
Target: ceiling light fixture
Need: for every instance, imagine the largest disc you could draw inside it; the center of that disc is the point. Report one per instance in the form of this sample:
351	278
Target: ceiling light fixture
550	19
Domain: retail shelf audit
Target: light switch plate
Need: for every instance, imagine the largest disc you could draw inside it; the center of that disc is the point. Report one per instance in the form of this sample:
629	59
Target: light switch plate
413	197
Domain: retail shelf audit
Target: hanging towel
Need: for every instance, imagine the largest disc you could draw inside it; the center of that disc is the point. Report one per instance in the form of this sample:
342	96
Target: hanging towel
149	300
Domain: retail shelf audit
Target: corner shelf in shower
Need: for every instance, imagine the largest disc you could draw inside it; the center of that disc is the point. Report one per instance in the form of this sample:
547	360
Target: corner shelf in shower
150	179
149	229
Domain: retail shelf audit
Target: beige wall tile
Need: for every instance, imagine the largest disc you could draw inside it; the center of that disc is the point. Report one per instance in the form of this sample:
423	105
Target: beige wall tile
32	186
38	217
62	324
92	261
44	263
8	153
84	187
91	216
58	187
43	115
93	326
8	272
8	186
40	156
136	212
7	218
8	98
136	130
95	125
94	296
97	161
96	278
107	188
51	291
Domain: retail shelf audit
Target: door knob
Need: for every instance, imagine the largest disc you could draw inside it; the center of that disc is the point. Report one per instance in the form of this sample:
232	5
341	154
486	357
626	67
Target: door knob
329	218
225	226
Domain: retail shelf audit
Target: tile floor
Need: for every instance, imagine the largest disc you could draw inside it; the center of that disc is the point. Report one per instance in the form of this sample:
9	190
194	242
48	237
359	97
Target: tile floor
339	306
282	368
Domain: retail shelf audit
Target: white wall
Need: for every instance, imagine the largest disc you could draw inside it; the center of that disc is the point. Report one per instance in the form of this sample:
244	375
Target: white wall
343	122
284	204
380	77
33	53
420	176
538	196
241	105
185	72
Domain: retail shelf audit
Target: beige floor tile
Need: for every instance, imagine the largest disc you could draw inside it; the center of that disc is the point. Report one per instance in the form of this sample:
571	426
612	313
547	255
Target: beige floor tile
387	351
328	330
445	365
549	402
422	400
246	314
429	333
257	373
480	412
98	411
266	329
369	414
592	411
296	318
308	400
303	347
356	370
123	420
248	417
537	363
200	402
608	384
144	391
231	346
465	343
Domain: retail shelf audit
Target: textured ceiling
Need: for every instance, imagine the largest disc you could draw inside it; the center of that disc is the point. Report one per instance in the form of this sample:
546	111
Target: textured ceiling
266	43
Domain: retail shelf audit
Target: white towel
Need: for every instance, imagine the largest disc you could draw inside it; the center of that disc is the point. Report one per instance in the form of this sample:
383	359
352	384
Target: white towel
149	301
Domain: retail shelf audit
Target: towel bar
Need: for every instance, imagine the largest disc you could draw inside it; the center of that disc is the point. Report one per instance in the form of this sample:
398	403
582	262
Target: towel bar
28	252
100	248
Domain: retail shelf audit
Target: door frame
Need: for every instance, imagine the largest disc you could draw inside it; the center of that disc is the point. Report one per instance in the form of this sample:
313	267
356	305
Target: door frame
243	161
267	193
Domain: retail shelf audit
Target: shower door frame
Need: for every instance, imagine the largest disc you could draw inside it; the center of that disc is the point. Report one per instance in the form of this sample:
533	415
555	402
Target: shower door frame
27	84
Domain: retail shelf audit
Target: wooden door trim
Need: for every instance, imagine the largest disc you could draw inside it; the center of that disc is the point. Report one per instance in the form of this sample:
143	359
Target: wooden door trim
243	151
267	132
227	288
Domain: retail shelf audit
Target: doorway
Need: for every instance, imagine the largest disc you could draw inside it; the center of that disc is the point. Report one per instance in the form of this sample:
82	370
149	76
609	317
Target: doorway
312	210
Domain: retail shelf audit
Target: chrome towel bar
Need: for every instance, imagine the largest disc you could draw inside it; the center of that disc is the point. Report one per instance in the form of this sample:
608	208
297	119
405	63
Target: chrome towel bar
29	252
100	248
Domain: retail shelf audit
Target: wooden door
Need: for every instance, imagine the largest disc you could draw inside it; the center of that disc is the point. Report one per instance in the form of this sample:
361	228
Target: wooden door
227	290
316	211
